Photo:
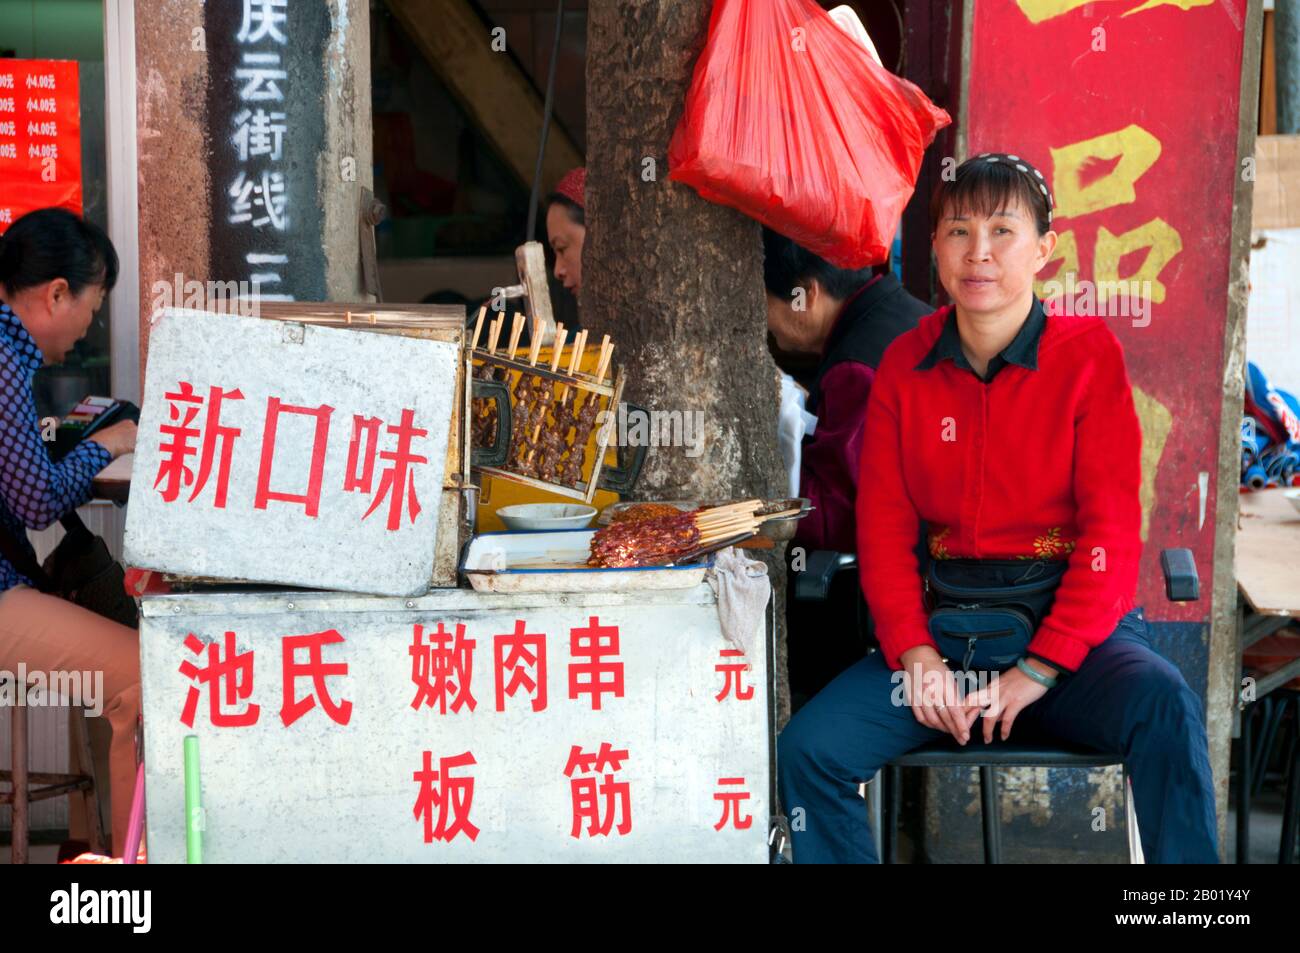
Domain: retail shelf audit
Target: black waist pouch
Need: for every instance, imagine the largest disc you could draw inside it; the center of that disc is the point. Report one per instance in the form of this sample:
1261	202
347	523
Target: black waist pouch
983	612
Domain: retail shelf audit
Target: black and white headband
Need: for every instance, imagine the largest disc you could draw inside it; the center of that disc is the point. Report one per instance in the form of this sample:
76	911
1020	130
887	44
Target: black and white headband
1023	166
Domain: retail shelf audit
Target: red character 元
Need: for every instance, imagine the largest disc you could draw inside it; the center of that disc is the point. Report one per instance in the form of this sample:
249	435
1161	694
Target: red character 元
443	666
733	683
293	708
173	472
595	677
311	499
731	805
587	794
516	653
233	673
439	791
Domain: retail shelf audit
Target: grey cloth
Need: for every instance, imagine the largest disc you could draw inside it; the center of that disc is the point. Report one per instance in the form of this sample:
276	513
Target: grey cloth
743	590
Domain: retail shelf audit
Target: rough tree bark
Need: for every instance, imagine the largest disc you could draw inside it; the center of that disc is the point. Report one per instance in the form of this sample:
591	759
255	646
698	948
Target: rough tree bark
675	280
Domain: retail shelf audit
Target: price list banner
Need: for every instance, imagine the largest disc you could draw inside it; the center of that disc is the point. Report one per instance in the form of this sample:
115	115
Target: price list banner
40	137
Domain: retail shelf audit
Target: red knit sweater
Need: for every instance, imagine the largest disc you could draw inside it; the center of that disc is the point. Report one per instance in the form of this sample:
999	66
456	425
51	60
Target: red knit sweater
1035	463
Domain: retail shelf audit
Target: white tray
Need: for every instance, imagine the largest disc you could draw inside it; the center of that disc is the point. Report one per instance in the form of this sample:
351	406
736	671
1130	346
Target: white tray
556	562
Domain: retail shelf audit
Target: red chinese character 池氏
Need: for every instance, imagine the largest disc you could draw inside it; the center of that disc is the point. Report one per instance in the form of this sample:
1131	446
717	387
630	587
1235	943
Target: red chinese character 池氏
442	667
441	792
233	673
292	708
590	794
516	653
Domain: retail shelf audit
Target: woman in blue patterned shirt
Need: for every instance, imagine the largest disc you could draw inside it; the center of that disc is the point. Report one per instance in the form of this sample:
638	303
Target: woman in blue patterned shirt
55	269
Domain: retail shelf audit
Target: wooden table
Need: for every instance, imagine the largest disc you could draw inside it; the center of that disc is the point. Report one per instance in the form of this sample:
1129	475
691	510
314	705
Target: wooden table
1268	586
114	481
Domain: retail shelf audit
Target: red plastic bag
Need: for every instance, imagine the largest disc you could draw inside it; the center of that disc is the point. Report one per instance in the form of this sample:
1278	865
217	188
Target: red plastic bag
790	120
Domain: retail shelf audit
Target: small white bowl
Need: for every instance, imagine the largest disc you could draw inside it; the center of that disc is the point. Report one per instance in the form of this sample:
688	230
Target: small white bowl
1294	497
543	516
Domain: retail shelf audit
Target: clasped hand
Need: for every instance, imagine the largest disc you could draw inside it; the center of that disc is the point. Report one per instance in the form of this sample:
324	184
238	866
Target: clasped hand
937	702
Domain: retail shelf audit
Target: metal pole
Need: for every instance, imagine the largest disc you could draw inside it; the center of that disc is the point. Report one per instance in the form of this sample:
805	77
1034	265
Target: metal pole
535	196
1286	40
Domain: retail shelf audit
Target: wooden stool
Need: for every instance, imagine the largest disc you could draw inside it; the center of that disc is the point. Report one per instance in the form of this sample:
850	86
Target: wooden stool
50	785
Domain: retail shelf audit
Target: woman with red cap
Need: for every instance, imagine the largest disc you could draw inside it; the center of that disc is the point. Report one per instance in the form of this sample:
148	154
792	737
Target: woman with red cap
566	227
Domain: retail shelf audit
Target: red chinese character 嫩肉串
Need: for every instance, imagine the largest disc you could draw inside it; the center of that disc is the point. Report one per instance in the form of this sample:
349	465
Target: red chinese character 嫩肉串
517	653
442	667
595	677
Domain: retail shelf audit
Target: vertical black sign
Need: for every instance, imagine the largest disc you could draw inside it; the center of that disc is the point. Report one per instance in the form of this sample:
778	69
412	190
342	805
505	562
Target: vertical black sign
266	107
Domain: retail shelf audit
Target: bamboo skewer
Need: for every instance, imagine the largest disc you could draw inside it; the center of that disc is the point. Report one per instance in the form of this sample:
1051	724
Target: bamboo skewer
478	327
744	506
732	528
390	317
516	330
558	352
575	359
727	521
536	348
606	352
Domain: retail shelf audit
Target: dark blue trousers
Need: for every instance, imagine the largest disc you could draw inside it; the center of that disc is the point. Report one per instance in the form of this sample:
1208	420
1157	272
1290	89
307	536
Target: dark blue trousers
1125	698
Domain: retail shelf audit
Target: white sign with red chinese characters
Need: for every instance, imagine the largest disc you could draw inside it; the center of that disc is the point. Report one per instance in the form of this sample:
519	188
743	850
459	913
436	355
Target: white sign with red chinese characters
271	451
471	727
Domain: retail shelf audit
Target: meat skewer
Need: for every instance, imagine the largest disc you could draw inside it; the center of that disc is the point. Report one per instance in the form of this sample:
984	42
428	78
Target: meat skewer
666	538
550	448
485	411
478	411
564	417
527	409
522	393
586	420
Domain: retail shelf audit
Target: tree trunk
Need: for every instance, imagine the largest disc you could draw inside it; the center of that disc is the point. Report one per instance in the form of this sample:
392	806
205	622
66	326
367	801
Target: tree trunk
675	280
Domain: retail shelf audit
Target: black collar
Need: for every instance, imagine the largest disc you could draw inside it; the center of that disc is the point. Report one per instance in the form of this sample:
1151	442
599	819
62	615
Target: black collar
1023	349
862	301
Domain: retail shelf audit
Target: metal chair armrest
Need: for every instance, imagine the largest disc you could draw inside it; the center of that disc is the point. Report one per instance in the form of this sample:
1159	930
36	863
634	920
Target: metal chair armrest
813	583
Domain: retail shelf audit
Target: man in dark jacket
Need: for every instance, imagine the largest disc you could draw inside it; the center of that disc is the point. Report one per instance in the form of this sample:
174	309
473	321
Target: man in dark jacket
843	320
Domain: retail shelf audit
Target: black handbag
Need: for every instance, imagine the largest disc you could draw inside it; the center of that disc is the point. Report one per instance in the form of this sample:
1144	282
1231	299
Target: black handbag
985	611
80	569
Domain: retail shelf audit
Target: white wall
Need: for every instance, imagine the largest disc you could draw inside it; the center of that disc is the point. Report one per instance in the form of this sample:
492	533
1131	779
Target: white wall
1273	312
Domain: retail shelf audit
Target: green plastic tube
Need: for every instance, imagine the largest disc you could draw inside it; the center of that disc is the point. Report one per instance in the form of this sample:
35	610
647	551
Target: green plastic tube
193	803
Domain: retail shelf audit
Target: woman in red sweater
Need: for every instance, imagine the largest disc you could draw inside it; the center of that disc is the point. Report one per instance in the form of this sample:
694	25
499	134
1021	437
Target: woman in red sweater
1005	439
